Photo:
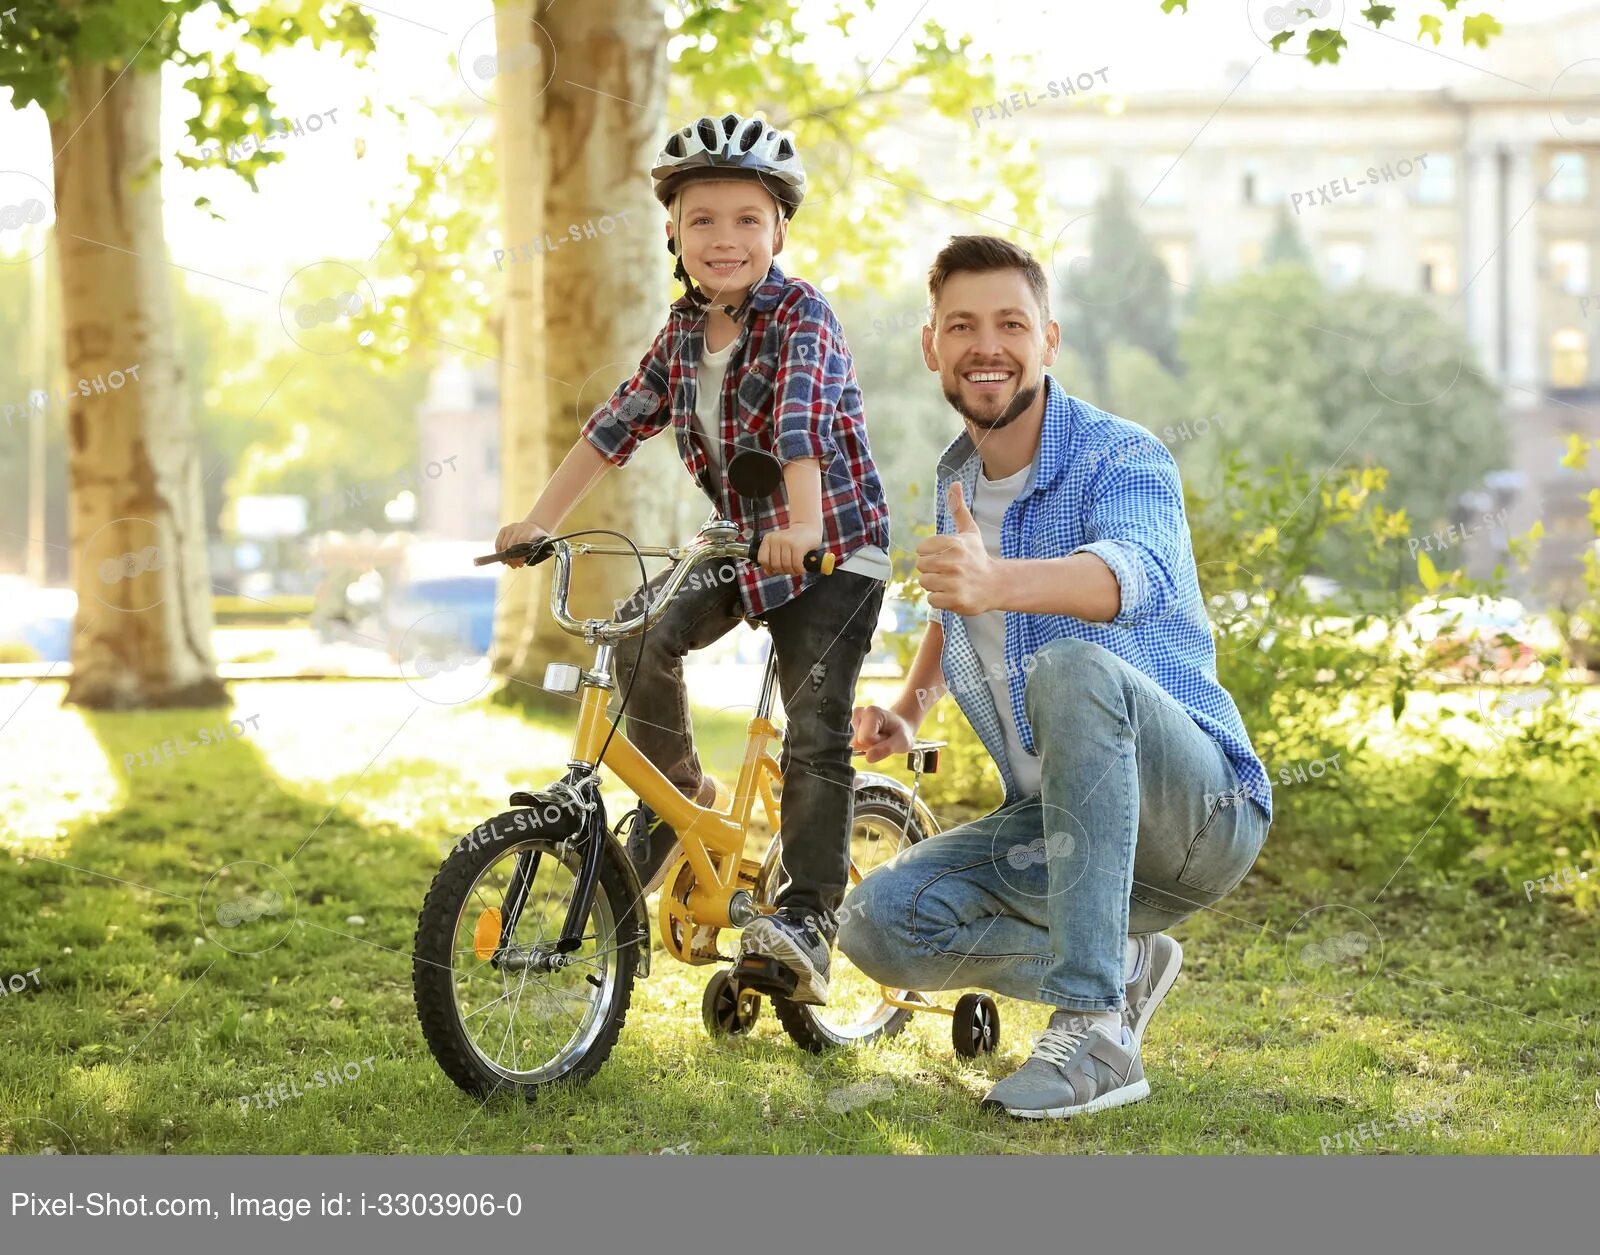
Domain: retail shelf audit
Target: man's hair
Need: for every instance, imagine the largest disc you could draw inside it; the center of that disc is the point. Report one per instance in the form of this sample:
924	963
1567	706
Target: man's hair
981	253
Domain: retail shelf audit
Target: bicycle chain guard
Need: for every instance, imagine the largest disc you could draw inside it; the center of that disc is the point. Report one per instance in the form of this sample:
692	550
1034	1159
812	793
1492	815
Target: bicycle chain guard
681	936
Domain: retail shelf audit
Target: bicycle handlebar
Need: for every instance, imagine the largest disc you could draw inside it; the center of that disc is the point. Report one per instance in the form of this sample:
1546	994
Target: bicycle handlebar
715	540
537	551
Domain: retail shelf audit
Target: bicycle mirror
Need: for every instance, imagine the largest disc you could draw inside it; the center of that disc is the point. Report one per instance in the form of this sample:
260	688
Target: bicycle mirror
753	471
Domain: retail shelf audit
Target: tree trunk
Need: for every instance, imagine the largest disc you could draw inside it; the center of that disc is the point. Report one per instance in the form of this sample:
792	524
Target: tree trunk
524	466
605	289
142	637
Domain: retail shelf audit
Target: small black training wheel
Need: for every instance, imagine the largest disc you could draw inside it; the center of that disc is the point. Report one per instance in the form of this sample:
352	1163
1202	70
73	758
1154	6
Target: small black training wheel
975	1030
729	1011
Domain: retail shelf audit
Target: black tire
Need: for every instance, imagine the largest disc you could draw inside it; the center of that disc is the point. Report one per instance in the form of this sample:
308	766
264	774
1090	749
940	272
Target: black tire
443	974
975	1029
814	1028
727	1010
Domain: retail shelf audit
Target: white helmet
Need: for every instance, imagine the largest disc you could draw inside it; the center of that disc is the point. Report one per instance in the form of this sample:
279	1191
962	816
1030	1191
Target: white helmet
731	147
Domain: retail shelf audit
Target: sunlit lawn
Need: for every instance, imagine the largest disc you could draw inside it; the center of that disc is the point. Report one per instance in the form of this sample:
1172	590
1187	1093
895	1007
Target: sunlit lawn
142	1035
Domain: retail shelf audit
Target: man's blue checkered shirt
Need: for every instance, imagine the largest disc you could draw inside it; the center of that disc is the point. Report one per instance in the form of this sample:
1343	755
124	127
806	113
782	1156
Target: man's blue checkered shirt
1105	486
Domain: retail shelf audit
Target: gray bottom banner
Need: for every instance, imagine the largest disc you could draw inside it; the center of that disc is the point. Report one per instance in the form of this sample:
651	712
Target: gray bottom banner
245	1205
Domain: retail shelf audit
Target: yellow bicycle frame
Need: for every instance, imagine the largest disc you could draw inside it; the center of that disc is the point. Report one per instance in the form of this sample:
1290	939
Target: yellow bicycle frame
713	840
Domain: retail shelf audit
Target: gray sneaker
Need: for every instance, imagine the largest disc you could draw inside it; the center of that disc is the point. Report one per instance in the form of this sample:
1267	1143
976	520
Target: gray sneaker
1074	1070
1159	959
797	945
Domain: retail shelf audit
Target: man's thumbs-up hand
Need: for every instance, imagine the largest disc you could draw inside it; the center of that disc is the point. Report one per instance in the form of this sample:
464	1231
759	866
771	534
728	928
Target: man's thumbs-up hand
956	499
955	568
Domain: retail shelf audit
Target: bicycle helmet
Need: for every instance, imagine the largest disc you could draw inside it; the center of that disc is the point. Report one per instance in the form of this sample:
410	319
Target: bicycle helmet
731	147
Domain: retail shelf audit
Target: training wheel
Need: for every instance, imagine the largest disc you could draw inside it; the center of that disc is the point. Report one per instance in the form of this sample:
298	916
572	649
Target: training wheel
975	1028
728	1011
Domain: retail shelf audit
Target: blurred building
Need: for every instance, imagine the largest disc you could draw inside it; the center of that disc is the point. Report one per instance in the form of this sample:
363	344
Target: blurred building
460	419
1500	226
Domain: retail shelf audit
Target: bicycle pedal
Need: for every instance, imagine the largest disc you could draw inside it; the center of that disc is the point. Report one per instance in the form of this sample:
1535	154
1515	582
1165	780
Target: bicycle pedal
703	948
764	975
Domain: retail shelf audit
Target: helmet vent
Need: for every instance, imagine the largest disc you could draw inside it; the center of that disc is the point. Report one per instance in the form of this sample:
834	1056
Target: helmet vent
708	134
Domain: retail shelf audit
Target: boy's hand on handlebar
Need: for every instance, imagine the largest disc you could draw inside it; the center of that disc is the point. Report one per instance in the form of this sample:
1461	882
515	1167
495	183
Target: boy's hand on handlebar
515	534
880	732
785	552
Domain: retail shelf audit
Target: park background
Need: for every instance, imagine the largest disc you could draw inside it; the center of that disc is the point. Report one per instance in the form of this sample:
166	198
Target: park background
1341	266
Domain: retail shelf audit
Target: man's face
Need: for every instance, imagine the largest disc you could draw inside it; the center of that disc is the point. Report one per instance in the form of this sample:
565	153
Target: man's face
728	233
990	344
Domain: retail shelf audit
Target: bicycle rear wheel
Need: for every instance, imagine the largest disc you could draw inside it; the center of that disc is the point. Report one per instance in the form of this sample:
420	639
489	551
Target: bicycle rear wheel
500	1008
857	1013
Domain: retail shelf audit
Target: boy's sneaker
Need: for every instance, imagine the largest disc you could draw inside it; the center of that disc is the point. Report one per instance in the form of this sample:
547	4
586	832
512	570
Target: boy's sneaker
652	844
793	943
1155	970
1075	1069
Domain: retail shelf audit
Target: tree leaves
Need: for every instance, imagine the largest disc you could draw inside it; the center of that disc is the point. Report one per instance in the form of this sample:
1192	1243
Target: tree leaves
1431	578
1478	29
117	33
1295	368
1325	46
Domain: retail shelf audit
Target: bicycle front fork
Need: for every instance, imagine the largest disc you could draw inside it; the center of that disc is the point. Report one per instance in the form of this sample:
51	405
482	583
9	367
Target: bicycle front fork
590	839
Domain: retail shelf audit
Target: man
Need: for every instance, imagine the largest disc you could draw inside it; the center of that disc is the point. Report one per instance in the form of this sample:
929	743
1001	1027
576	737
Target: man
1070	627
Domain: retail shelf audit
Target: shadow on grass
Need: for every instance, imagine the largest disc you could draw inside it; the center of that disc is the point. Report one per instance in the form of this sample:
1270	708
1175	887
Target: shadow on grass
210	937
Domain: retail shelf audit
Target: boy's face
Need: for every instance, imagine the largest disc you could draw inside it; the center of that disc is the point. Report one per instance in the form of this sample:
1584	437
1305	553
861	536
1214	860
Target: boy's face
989	344
728	233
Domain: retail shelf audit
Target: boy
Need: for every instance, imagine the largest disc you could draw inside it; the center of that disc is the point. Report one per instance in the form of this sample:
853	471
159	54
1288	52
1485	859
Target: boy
751	355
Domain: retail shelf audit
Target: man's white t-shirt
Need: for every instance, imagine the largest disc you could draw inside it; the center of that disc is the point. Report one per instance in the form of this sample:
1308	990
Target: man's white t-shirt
987	631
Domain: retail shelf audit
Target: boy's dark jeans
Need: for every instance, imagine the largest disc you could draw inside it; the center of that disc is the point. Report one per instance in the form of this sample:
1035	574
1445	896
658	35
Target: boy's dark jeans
821	638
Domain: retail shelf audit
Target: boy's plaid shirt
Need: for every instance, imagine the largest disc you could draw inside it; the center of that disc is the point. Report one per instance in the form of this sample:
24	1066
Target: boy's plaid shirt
790	382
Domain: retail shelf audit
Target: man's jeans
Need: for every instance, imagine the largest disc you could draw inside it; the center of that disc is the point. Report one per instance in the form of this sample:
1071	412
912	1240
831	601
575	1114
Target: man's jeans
821	638
1141	822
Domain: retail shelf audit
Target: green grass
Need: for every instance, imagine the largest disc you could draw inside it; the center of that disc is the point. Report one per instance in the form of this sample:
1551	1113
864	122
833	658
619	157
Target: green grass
143	1033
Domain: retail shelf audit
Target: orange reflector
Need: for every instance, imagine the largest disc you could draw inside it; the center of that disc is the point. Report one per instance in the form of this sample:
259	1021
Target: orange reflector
486	936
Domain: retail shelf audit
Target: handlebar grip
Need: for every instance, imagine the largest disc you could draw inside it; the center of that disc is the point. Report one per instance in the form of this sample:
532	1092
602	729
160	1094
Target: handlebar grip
522	549
816	560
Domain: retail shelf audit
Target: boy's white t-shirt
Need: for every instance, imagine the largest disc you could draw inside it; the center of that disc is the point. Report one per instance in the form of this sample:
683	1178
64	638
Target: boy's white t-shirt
870	560
987	631
708	400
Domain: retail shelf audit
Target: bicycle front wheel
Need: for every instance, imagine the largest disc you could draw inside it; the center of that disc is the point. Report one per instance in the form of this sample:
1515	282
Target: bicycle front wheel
500	1008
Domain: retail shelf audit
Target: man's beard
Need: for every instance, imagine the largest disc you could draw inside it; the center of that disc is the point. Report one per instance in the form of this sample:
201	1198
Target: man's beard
1024	398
